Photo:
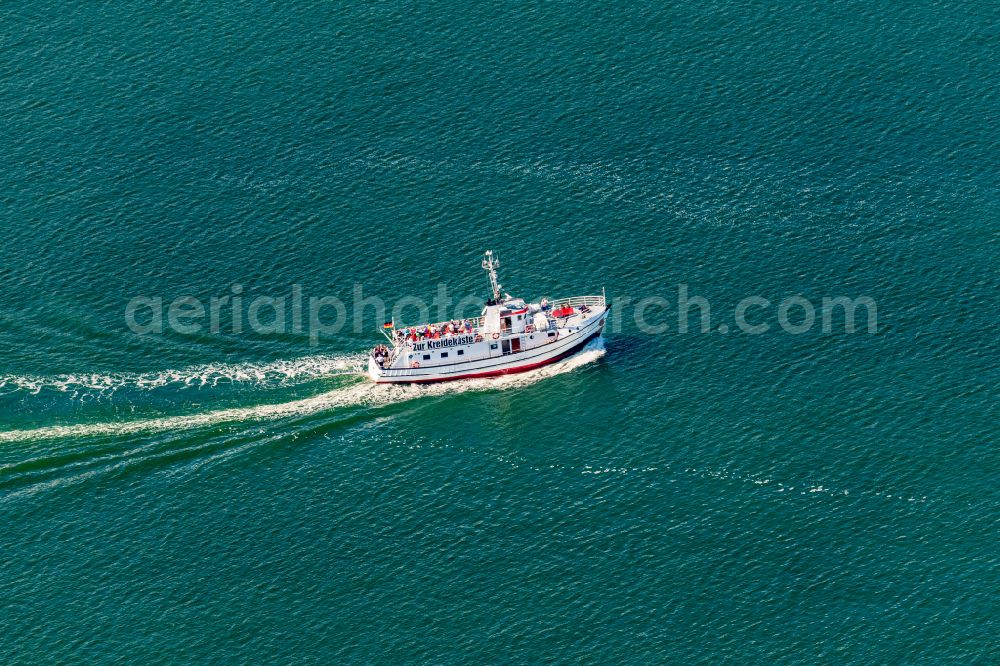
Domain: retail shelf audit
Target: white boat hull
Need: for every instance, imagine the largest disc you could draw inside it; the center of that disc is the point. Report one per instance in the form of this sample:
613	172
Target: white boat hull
568	341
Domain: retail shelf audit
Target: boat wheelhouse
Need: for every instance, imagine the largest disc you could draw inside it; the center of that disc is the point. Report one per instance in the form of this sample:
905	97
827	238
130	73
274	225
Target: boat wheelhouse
510	335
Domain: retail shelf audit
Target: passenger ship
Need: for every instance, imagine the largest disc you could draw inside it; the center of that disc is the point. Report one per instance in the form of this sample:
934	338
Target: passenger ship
510	336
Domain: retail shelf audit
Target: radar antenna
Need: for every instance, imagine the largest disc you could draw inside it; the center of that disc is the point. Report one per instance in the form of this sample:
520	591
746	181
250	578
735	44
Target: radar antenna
490	263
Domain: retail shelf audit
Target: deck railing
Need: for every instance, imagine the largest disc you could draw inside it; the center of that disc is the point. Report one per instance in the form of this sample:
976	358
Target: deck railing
577	301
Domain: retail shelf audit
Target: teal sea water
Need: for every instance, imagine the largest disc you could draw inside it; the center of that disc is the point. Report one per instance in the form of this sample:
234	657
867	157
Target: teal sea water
665	498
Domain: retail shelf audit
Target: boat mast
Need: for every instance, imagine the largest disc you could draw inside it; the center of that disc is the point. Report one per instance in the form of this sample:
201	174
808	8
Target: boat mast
490	263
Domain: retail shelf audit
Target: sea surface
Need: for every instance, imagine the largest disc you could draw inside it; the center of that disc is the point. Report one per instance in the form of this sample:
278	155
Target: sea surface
662	497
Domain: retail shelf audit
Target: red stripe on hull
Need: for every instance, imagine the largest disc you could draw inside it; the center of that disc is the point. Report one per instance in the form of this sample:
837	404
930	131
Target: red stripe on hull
503	371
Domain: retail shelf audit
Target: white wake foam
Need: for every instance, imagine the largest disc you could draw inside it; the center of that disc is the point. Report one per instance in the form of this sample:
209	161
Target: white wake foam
361	394
273	373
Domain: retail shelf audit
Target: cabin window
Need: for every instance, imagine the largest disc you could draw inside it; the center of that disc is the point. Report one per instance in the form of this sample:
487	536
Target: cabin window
460	352
427	357
444	354
493	346
519	317
552	334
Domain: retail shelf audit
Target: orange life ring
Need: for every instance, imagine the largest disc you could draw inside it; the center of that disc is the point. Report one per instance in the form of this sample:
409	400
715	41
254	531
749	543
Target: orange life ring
415	364
496	336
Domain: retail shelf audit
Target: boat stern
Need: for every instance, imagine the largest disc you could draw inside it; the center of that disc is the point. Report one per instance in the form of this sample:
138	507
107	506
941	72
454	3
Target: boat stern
374	371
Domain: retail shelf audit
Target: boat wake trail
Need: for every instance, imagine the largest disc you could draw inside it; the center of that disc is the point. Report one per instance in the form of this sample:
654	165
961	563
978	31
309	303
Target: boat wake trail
275	373
360	394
